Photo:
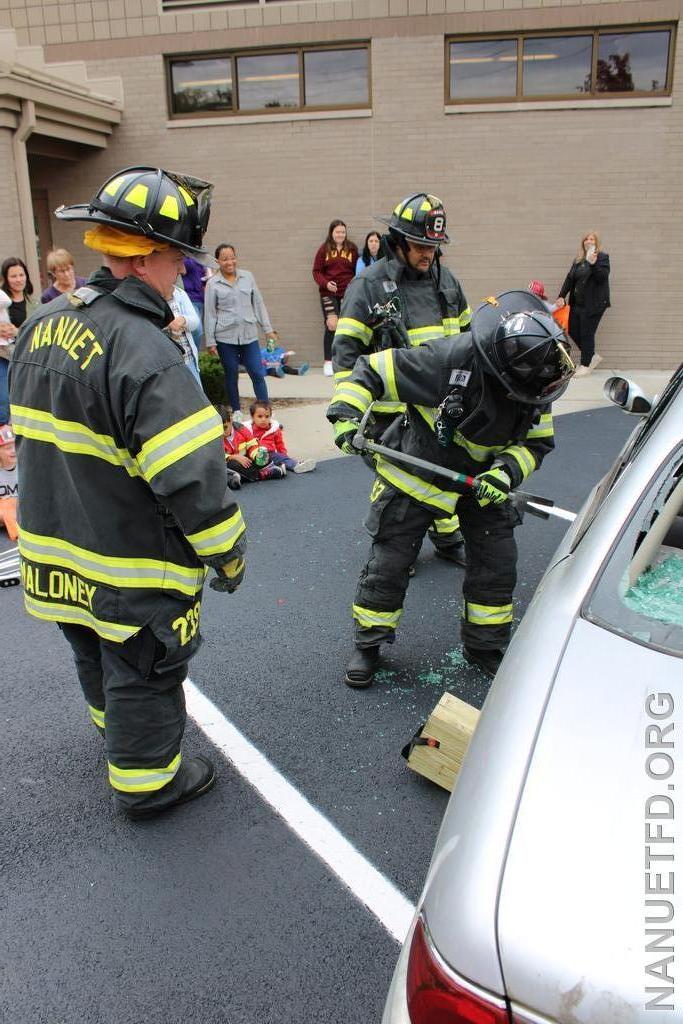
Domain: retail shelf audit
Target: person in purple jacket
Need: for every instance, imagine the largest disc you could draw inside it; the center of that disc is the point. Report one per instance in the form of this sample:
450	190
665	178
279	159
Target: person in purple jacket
60	269
194	281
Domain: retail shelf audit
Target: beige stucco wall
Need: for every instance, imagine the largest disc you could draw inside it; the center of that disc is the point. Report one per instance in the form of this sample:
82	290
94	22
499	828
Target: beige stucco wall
520	187
12	243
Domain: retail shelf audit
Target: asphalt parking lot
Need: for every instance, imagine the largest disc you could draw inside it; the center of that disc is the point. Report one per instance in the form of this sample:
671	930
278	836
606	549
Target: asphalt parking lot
220	912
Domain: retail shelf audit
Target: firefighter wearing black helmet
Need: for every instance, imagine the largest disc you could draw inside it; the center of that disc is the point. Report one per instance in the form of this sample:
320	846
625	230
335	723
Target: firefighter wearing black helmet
479	404
124	503
404	300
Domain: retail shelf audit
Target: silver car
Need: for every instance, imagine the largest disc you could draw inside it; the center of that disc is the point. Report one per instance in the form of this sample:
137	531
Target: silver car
552	893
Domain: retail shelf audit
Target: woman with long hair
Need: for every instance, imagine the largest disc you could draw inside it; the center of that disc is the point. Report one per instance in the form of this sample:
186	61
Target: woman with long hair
333	270
586	289
233	312
373	250
15	281
16	290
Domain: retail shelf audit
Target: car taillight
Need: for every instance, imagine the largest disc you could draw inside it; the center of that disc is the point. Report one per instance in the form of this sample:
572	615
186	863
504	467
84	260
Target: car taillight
435	998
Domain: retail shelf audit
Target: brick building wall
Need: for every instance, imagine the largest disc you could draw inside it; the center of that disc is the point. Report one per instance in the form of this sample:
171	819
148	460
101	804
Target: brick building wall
521	186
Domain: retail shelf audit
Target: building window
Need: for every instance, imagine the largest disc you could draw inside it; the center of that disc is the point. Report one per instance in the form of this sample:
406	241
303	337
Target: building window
300	78
268	80
623	62
201	85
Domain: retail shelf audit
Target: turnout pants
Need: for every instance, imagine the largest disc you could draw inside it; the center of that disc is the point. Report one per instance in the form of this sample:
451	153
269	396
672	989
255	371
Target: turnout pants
140	707
397	526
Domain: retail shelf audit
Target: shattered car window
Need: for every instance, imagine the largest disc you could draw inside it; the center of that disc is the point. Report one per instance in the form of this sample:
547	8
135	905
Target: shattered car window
640	591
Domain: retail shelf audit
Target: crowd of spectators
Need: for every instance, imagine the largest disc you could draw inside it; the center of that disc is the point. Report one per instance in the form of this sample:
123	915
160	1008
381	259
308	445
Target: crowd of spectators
223	311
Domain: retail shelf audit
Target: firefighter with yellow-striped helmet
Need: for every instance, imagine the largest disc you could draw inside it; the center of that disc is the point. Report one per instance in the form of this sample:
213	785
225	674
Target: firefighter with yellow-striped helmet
419	218
161	205
125	500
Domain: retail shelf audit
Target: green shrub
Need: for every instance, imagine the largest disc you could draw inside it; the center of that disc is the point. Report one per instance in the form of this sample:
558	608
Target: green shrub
213	380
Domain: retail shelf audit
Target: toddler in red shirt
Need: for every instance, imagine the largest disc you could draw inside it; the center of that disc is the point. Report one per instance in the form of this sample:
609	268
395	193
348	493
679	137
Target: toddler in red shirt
268	433
244	457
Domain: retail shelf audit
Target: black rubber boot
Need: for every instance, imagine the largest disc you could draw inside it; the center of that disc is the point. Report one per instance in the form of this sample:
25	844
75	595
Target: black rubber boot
195	777
362	667
488	661
455	553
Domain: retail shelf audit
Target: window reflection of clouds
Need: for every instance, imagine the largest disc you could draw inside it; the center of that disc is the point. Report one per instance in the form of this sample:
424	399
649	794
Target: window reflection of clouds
268	80
201	85
483	68
559	65
648	55
333	77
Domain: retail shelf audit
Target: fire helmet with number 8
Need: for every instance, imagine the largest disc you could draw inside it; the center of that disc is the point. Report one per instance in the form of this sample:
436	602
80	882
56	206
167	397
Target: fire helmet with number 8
518	342
418	218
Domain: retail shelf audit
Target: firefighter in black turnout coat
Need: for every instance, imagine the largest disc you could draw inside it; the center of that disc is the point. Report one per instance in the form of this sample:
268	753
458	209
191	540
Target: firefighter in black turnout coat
403	300
124	499
479	404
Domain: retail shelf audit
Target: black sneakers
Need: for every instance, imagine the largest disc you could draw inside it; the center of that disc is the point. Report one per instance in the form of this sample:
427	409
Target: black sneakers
195	777
362	667
488	661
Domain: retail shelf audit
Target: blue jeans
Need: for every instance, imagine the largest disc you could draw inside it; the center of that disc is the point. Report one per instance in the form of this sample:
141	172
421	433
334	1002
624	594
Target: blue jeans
4	392
278	459
249	356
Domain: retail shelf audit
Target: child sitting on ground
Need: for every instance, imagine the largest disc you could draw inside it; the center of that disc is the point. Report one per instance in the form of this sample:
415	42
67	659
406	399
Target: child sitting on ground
244	457
9	490
268	433
275	360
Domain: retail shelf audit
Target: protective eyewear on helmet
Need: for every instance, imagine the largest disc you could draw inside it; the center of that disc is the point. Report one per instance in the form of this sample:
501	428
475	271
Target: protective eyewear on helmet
201	192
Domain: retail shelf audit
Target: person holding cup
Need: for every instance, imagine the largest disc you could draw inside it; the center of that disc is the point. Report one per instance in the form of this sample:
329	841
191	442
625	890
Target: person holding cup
586	289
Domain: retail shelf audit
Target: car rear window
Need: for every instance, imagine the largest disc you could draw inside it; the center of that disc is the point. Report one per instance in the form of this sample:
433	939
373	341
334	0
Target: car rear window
640	591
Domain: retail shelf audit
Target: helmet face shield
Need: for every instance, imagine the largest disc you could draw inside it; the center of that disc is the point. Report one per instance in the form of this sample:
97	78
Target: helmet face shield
519	344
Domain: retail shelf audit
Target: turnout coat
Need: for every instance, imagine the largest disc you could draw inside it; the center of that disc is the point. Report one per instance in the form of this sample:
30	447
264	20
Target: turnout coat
124	499
493	427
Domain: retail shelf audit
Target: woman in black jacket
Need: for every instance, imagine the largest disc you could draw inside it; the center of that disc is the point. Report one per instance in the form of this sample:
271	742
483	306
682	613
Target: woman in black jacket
586	288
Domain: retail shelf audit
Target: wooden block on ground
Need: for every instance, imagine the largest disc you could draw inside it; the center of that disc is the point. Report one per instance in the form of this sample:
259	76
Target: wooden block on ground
438	749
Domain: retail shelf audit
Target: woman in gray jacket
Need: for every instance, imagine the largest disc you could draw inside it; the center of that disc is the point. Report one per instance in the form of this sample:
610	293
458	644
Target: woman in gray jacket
233	311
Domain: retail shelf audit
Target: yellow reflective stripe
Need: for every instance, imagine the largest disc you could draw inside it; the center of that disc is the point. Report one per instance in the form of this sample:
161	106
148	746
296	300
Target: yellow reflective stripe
352	394
389	408
418	335
444	527
142	780
70	436
487	614
427	413
465	318
523	457
426	494
97	716
544	428
478	452
218	538
169	208
367	617
354	329
111	569
137	195
383	364
179	440
451	325
51	612
342	374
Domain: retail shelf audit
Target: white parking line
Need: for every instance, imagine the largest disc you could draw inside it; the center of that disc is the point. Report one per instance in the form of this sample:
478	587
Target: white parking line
367	884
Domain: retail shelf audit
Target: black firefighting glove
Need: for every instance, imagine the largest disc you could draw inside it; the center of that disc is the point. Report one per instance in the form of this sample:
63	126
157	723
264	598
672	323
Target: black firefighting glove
229	575
344	433
494	486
